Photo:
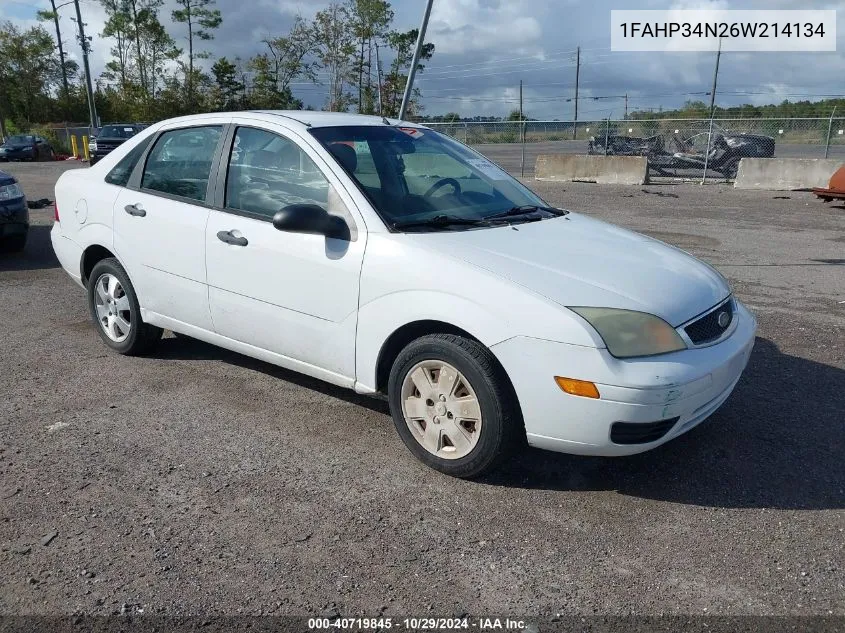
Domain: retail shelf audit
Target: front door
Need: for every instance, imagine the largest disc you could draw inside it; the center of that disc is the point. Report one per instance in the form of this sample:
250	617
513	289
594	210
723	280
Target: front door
292	294
160	220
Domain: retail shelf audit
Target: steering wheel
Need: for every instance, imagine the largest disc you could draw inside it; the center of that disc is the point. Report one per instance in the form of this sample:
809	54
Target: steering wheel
442	183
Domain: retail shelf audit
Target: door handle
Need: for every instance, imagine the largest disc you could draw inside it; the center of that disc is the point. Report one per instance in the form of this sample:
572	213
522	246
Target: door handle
132	209
226	236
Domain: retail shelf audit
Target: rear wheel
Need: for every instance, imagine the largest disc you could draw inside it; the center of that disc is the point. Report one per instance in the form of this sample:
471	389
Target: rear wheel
452	405
115	310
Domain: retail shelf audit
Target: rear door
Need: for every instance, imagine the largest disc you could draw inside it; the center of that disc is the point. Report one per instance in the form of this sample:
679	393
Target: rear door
292	294
160	220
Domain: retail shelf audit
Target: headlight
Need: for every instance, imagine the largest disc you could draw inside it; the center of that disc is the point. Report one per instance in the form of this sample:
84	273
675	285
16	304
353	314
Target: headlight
92	146
10	192
627	333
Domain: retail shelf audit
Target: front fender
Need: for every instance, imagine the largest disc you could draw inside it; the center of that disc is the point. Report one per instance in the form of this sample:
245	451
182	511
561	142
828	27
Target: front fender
380	318
402	283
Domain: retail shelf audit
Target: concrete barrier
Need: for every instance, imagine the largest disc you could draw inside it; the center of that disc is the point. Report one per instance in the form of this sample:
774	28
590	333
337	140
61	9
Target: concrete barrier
606	170
785	174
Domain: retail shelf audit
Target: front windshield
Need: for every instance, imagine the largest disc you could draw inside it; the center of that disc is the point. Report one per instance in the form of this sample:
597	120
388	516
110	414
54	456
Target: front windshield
417	175
20	140
118	131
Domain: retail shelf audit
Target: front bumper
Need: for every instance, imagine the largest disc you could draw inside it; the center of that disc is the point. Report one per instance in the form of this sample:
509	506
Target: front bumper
18	154
14	217
688	385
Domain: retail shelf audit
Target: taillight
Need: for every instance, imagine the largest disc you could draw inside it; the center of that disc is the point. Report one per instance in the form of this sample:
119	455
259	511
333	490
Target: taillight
56	211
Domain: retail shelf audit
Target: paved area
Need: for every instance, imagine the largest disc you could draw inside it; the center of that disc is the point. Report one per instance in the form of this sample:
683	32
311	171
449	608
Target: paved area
198	481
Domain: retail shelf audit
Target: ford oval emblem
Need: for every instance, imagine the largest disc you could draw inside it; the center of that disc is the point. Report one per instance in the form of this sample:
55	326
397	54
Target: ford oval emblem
723	319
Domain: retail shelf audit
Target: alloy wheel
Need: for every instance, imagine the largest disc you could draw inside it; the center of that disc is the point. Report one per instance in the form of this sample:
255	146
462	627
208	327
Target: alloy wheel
114	311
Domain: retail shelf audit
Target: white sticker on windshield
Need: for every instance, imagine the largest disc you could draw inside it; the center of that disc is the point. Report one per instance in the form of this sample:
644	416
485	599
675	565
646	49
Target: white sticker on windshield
127	129
488	169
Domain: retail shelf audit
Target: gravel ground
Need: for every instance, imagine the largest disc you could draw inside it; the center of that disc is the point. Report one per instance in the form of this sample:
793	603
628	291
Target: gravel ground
198	481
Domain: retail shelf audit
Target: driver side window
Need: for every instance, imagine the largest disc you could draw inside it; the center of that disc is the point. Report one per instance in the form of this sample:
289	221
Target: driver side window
268	172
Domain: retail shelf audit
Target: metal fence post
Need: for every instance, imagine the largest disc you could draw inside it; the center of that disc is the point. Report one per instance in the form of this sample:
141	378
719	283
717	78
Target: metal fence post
522	162
606	134
466	133
707	152
829	130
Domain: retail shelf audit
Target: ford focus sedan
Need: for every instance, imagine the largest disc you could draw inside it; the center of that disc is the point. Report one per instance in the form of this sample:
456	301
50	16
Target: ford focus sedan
387	258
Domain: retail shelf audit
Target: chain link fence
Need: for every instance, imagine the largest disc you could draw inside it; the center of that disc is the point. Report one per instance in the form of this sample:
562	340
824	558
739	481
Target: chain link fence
63	134
675	148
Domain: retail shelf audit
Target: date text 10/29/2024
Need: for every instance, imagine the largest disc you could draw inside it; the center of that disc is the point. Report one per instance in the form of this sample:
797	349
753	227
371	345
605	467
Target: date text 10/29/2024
417	624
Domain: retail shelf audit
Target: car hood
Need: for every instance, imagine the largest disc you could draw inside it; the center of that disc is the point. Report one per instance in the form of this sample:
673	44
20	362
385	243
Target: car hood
6	179
110	139
579	261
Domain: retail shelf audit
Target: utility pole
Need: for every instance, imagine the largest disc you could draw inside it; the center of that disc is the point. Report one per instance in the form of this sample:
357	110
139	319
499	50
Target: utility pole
712	112
92	108
626	105
715	79
378	73
577	82
61	52
409	87
520	99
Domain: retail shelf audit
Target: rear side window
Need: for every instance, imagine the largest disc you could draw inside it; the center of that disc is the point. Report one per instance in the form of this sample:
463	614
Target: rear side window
180	162
120	173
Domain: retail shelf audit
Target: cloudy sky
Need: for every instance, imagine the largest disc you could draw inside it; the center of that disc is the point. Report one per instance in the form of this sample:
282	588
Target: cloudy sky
485	47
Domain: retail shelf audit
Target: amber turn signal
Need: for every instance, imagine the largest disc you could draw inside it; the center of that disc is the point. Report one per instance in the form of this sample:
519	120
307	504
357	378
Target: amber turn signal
577	387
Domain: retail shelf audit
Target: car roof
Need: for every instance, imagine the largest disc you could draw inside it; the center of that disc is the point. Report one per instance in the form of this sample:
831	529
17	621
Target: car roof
306	118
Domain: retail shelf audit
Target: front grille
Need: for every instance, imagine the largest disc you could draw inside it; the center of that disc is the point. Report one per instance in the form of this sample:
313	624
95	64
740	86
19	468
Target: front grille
708	328
640	432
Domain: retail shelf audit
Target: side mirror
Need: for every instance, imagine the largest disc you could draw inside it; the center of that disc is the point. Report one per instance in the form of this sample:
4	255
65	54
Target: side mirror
310	218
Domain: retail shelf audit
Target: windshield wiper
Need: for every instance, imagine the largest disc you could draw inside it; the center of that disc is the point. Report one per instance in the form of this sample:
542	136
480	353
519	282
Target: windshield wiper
438	221
525	209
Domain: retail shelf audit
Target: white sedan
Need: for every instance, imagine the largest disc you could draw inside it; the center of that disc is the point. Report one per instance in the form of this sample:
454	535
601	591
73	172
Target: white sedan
387	258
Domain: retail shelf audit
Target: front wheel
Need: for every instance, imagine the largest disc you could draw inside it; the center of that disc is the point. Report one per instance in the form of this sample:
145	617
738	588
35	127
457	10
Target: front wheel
453	406
115	310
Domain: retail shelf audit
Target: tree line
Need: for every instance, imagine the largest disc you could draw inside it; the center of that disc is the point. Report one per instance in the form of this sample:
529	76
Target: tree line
349	47
784	110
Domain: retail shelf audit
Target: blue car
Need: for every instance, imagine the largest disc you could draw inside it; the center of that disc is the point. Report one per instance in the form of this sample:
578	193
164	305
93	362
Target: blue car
14	214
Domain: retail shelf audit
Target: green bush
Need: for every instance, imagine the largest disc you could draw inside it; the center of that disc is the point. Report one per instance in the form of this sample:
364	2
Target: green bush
59	146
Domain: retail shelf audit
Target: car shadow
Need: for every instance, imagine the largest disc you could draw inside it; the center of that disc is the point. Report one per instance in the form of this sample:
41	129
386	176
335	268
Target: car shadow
776	442
37	254
182	347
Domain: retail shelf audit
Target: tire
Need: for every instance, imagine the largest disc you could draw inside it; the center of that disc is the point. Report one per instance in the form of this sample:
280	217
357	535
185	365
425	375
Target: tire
15	243
129	334
479	446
